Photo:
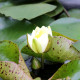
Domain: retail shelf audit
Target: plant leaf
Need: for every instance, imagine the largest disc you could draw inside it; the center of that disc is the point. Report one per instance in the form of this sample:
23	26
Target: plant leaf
12	29
77	45
11	71
61	50
43	20
23	66
58	10
68	27
28	11
9	51
72	70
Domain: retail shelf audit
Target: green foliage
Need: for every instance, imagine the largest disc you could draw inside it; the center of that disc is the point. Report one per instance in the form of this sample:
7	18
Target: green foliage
57	11
9	51
43	20
12	29
18	20
69	27
36	63
72	70
77	45
27	11
10	70
61	50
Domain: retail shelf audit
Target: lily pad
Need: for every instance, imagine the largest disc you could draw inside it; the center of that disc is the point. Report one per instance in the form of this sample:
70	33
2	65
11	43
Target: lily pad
57	11
68	27
27	11
9	51
11	71
9	54
72	70
11	29
61	50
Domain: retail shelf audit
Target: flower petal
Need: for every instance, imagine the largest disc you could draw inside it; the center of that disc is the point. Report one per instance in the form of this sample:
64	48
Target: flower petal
37	45
31	43
43	40
29	40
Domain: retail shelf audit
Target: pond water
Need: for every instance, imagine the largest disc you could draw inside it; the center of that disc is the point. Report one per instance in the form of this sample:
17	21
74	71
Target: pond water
46	73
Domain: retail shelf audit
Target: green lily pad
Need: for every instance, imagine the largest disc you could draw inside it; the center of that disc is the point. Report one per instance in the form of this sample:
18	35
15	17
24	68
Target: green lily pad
27	11
72	70
23	66
11	71
61	50
68	27
57	11
21	41
15	31
12	29
9	51
73	13
9	54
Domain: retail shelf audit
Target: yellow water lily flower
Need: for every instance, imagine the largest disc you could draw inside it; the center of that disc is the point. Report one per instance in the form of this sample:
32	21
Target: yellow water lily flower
40	40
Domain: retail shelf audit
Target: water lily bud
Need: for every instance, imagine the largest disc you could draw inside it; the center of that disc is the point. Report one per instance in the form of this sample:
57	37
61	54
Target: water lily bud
40	40
36	64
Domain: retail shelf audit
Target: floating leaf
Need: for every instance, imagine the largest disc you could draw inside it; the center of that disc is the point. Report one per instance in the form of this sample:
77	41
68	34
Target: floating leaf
61	50
9	54
11	71
72	70
12	29
21	42
28	11
58	10
9	51
23	66
68	27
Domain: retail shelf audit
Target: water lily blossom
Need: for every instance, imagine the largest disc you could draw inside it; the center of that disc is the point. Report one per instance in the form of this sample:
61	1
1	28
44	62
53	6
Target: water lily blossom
40	40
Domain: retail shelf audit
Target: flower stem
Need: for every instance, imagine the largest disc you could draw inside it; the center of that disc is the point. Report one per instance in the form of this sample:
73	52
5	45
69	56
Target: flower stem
42	61
66	12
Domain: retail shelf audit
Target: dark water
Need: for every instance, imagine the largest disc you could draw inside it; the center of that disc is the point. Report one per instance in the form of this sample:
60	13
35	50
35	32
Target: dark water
46	73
